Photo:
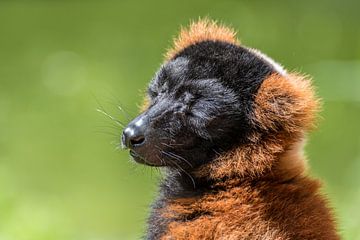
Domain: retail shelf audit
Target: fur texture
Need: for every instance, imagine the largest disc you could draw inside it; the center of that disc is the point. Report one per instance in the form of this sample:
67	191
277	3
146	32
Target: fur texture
202	30
227	125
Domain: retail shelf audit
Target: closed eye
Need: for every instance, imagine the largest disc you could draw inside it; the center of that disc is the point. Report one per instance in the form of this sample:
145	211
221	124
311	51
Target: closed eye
152	94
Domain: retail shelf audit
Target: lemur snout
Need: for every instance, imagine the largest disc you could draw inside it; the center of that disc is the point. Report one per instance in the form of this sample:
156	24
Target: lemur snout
134	134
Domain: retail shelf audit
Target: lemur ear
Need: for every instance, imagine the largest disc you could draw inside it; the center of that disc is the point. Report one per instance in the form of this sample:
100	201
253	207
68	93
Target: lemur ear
286	103
201	30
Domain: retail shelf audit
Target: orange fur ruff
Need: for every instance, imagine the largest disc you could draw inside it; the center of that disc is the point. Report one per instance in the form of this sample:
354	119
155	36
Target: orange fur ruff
199	31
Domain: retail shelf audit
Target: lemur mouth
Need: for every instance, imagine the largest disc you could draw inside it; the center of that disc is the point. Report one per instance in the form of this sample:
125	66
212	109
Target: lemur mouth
139	159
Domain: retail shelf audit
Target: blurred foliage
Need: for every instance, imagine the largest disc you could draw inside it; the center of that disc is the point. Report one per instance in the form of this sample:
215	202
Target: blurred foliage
61	176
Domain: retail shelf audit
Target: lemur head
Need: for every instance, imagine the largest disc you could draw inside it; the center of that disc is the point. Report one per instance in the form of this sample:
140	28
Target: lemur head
213	96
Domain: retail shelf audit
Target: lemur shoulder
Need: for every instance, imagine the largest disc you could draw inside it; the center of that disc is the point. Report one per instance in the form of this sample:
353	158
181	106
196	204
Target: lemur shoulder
227	125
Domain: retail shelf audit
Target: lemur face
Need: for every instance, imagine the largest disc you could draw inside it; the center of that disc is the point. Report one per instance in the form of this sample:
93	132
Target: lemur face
187	118
200	105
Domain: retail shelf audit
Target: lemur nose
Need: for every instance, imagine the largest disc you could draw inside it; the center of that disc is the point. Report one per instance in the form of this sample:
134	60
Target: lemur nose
134	134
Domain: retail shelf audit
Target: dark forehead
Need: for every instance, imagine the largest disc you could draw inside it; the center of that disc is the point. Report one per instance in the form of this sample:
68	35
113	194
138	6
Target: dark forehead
173	72
234	66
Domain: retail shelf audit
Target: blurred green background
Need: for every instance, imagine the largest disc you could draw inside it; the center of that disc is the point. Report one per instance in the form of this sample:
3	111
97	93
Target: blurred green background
61	176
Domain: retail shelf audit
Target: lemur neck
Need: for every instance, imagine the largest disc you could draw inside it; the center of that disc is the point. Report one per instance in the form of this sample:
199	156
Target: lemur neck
270	161
260	156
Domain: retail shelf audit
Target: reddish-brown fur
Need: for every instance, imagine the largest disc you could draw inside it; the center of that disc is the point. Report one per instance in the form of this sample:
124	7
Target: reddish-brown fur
253	210
201	31
261	189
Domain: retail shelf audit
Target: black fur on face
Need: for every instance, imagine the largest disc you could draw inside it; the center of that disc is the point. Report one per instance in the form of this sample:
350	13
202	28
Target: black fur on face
201	103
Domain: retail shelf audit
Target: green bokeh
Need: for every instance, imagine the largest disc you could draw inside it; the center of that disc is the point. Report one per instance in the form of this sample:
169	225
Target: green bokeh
61	176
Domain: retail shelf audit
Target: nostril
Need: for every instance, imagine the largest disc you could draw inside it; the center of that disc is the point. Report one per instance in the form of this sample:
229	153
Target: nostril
136	141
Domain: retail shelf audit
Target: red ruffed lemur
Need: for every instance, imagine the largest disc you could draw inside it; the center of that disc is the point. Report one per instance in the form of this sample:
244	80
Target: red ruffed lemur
227	125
